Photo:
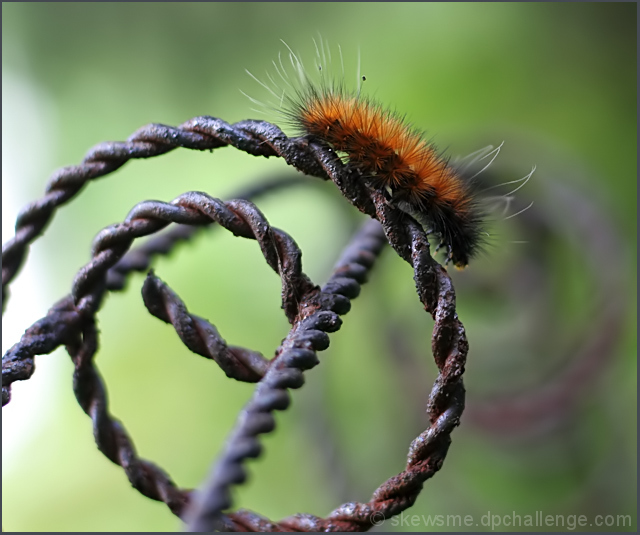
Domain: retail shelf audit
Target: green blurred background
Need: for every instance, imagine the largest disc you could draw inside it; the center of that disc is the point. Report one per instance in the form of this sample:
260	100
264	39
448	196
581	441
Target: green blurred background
556	82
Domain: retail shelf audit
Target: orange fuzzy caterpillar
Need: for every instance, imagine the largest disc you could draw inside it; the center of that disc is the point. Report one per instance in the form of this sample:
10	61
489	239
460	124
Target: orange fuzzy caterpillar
393	155
382	145
387	152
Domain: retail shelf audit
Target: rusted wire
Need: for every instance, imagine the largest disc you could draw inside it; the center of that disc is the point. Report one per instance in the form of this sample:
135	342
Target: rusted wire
258	138
316	314
140	257
312	313
199	335
445	406
62	320
240	217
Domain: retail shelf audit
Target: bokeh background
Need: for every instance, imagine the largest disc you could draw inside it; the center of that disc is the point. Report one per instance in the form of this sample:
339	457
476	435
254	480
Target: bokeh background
550	309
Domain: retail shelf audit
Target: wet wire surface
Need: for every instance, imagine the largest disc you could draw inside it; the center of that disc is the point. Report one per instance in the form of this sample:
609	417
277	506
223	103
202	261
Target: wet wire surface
312	311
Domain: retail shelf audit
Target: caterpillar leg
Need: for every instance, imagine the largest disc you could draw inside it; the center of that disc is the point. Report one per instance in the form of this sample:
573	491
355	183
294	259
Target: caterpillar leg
449	257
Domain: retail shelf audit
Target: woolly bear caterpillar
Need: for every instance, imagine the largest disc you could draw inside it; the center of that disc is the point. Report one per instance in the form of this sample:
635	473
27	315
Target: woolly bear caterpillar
387	152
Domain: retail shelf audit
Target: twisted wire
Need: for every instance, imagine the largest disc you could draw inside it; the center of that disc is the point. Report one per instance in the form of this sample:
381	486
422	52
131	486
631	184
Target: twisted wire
110	435
140	257
258	138
240	217
318	315
199	335
72	320
426	453
408	239
445	405
62	320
